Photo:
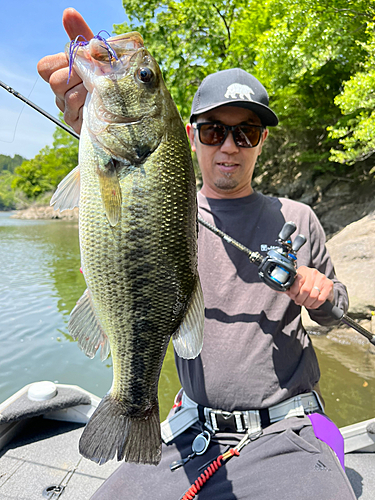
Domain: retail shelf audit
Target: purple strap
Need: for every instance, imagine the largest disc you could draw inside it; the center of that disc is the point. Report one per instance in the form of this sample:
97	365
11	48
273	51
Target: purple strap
326	430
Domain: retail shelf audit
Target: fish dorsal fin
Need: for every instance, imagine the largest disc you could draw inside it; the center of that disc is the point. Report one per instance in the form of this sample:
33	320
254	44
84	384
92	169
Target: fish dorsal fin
66	196
188	339
111	191
85	327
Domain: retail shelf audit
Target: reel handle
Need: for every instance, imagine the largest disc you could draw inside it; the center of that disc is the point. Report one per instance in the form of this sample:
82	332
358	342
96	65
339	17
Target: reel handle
287	230
298	242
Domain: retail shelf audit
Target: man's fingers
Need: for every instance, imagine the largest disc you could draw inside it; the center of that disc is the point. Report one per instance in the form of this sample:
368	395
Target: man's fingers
74	101
59	82
49	64
70	97
60	104
75	25
310	288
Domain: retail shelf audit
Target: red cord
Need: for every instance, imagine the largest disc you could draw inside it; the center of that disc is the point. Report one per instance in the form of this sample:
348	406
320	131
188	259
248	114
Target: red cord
211	469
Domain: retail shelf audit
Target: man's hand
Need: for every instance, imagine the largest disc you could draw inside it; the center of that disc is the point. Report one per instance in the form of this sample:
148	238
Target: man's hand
311	288
70	97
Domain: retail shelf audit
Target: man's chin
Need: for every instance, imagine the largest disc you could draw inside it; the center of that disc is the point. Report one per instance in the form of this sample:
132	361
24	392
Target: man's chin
226	184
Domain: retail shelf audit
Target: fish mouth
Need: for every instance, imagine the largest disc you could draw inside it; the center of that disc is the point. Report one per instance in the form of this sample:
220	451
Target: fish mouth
100	57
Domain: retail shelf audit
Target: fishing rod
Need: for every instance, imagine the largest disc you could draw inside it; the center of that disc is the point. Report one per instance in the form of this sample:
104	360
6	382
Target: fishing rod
40	110
277	269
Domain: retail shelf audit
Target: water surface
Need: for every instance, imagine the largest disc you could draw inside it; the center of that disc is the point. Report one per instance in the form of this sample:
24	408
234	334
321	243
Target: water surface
40	283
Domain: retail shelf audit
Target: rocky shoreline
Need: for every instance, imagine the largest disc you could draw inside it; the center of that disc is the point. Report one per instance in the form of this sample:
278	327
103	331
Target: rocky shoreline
347	213
45	212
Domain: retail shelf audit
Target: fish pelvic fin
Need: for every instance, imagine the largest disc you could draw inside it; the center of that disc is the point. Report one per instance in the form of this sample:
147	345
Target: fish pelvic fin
66	196
85	327
111	192
188	339
111	432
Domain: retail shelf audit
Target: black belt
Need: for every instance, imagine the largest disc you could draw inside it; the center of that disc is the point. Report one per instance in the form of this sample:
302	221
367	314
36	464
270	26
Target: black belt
227	421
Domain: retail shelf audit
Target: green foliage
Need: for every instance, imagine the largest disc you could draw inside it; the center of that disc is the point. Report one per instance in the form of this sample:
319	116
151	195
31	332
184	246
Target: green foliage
315	57
356	130
312	47
7	200
44	172
190	40
303	51
9	163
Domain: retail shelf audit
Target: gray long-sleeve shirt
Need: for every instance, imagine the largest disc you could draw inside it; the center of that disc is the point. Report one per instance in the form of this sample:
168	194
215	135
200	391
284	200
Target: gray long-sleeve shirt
255	352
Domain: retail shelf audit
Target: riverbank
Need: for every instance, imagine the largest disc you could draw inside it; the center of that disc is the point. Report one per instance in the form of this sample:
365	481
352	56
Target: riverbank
45	212
337	202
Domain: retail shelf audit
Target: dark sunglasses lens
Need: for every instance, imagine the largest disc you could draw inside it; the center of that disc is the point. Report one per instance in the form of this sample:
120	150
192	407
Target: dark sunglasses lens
211	133
247	136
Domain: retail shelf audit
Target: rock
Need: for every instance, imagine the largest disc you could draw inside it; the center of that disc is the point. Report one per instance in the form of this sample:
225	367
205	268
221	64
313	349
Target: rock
353	253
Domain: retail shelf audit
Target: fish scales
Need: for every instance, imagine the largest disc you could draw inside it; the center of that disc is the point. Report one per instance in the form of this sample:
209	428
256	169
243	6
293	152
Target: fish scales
138	228
142	250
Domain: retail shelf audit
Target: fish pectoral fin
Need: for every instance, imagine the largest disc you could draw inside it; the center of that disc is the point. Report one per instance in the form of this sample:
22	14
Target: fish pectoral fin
66	196
85	327
188	339
111	192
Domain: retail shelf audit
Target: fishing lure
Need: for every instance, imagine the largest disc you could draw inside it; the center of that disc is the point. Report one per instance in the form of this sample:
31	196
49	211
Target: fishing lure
77	43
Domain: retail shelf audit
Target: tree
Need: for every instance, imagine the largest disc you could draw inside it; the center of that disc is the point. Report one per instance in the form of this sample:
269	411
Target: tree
44	172
356	130
9	163
302	50
7	166
190	40
314	46
7	200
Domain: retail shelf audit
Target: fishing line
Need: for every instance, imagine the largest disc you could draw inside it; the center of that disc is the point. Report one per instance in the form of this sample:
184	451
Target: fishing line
254	257
19	116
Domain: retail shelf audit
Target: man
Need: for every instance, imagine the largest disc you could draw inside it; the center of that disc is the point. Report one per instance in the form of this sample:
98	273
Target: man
257	374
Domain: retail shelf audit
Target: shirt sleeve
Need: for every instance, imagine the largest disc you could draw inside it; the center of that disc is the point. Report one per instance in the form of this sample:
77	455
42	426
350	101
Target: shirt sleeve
321	260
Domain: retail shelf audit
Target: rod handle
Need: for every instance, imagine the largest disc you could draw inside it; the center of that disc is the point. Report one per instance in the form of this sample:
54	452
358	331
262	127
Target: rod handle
332	310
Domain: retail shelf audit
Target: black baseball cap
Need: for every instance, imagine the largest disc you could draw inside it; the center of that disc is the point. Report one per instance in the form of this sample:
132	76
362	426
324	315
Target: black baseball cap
233	87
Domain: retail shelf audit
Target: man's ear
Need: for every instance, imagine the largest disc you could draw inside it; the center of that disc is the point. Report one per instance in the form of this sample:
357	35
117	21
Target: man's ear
264	137
191	135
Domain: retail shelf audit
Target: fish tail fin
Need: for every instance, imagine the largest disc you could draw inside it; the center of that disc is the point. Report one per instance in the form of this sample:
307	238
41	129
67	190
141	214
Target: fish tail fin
110	432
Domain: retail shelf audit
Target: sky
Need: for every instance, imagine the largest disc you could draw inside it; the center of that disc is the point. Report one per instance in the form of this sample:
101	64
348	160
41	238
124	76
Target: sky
29	31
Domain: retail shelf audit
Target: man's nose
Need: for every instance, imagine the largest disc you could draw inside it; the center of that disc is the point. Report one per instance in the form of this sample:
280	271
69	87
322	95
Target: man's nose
229	146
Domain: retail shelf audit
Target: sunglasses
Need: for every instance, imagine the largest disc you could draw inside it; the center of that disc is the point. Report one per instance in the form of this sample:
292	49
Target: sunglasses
215	134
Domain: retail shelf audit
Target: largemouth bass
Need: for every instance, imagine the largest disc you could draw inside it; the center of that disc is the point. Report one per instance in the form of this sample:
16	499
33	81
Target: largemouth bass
138	239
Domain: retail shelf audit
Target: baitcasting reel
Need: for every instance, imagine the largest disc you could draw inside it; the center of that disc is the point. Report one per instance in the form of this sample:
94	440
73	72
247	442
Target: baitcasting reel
278	268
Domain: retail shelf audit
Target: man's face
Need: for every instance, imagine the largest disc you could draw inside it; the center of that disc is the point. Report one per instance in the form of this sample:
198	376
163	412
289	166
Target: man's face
227	170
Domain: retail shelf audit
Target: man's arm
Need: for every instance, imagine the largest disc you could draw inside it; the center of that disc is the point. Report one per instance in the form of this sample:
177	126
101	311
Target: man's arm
318	282
70	97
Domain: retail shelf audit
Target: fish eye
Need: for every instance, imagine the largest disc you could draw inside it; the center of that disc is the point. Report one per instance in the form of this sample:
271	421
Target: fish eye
145	75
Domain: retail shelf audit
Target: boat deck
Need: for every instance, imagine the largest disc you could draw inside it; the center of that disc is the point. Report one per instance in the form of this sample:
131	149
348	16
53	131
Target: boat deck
42	461
360	469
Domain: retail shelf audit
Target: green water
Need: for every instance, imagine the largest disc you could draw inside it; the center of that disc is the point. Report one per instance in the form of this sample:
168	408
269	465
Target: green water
40	283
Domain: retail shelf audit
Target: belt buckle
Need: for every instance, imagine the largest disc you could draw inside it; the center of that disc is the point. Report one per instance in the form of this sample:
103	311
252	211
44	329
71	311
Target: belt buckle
227	421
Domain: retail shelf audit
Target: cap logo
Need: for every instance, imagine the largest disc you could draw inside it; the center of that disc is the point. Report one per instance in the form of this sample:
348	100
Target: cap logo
239	91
